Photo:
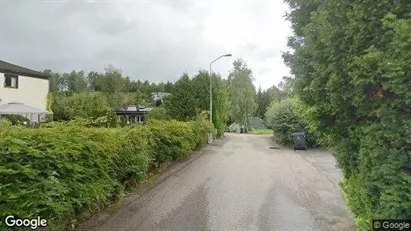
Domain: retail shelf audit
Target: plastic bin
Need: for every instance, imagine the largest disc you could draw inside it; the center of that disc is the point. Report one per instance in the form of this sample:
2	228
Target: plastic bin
300	141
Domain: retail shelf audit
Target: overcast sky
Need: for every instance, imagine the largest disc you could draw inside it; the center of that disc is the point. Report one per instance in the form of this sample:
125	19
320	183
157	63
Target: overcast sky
148	40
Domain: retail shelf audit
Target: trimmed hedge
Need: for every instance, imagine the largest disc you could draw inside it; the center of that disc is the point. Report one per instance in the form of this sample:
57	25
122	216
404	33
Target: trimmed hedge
352	66
63	173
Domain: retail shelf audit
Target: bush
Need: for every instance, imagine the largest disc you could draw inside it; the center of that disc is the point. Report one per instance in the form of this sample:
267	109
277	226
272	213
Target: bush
80	105
66	170
16	119
201	130
285	118
175	139
284	121
158	113
108	121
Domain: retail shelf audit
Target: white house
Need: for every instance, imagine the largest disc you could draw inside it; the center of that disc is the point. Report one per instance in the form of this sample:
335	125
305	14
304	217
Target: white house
160	95
20	84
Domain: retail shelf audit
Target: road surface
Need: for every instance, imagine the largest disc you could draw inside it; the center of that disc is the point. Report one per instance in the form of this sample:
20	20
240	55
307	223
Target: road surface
239	183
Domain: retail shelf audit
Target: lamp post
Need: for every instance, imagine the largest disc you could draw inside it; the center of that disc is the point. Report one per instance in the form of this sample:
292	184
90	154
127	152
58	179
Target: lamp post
210	139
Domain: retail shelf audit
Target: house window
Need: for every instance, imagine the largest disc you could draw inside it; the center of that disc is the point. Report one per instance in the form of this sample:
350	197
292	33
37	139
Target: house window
11	81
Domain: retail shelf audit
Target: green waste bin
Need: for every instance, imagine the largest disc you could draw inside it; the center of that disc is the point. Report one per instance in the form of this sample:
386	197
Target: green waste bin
300	141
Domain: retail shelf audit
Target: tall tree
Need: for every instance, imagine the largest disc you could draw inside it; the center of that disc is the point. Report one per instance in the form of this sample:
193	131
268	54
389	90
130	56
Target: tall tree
352	68
201	93
181	104
113	80
273	94
161	87
221	104
260	99
95	81
169	87
139	97
265	98
55	81
287	87
242	93
74	81
126	85
201	82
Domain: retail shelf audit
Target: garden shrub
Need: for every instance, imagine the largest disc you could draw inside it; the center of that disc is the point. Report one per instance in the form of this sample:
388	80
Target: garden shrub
108	121
64	171
158	113
80	105
201	131
16	119
284	121
175	139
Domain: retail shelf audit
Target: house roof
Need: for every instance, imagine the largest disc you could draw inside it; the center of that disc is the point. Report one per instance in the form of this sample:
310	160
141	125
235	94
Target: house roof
19	108
132	110
257	123
9	68
254	122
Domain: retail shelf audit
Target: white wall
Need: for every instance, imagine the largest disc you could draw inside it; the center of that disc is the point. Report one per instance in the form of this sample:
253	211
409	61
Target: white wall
31	91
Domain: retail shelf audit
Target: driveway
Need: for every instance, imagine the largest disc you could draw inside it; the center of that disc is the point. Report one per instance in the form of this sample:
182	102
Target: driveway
239	183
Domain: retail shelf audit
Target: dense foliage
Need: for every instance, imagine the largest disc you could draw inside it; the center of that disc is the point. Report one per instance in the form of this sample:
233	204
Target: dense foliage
221	104
181	105
65	171
111	88
265	98
16	119
352	64
80	105
157	113
284	121
90	96
242	93
191	96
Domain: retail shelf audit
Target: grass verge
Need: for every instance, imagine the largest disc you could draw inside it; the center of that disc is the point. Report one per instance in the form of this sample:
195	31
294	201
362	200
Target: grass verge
262	132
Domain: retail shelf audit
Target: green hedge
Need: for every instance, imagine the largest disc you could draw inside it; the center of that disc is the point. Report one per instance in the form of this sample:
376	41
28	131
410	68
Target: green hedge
352	66
285	118
284	121
63	173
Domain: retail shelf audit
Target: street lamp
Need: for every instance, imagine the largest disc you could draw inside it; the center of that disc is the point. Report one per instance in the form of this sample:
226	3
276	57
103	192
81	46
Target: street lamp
210	139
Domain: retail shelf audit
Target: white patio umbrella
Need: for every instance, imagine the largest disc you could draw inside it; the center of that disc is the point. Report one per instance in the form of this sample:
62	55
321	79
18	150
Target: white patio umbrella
17	108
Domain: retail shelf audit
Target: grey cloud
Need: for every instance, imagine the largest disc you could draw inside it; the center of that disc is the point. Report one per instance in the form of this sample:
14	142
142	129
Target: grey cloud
157	40
251	47
268	53
115	26
262	71
73	35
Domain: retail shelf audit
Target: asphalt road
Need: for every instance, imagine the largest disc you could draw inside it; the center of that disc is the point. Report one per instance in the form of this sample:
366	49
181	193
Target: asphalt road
239	184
